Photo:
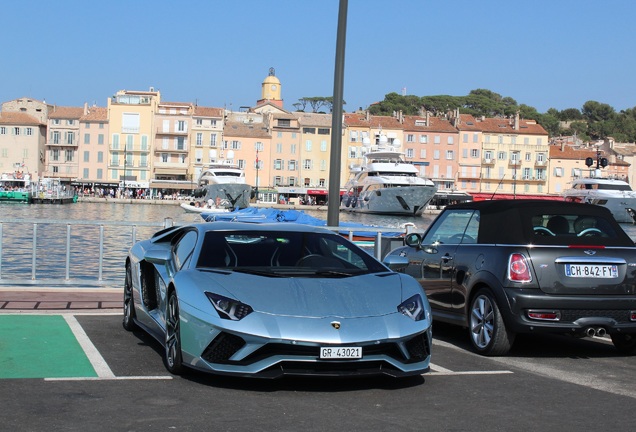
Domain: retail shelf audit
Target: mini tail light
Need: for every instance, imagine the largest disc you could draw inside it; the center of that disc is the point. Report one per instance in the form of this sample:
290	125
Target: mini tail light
632	315
544	315
518	269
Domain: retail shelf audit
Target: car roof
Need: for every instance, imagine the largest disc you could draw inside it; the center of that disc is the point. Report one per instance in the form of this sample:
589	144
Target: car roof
547	206
510	221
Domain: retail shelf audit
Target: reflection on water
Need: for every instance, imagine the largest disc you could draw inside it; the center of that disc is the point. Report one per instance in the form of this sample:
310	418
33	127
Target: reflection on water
17	245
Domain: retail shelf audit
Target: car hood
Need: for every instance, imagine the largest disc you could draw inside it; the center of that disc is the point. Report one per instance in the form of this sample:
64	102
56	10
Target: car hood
357	296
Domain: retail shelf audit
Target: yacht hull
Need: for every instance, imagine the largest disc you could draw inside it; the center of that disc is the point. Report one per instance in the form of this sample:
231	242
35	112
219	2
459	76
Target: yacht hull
404	201
226	195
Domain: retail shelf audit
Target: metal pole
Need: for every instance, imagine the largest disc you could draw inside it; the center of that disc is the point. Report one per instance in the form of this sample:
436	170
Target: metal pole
0	250
35	236
101	251
68	251
336	119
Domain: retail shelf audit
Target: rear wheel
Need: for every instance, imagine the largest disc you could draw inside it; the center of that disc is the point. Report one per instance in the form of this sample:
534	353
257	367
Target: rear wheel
129	305
625	343
172	358
488	333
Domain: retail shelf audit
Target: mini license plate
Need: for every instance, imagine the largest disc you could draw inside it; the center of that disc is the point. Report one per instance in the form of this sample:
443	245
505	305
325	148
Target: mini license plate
591	271
340	352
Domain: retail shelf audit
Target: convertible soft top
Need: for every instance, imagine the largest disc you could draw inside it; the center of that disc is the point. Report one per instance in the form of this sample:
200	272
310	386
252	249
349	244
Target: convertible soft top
514	221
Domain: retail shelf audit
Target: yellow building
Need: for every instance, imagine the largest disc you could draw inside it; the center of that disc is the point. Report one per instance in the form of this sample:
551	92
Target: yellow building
131	117
515	155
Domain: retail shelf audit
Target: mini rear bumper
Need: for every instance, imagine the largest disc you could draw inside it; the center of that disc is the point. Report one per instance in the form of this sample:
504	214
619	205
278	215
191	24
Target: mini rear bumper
532	311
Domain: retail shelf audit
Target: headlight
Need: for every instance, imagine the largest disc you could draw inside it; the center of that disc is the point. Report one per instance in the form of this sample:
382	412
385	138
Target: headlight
413	308
228	308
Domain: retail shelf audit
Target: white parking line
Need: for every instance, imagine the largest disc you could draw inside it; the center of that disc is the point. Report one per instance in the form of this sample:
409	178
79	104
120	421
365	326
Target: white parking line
96	359
113	378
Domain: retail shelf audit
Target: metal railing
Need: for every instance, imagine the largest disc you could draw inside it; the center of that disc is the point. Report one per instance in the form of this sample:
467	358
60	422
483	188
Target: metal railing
376	243
96	280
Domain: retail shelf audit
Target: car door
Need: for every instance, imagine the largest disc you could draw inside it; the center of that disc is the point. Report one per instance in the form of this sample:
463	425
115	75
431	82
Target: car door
437	251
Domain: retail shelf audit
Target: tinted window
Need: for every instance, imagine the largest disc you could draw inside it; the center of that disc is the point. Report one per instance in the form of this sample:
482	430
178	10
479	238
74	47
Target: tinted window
571	228
283	249
183	249
454	226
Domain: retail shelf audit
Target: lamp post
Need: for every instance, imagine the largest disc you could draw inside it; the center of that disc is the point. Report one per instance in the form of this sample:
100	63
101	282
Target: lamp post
125	154
257	162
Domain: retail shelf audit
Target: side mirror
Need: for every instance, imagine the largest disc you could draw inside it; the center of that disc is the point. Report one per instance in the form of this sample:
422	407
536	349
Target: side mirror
396	262
157	256
413	240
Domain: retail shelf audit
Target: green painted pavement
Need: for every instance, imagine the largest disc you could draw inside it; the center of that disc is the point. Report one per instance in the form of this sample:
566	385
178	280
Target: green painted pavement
40	346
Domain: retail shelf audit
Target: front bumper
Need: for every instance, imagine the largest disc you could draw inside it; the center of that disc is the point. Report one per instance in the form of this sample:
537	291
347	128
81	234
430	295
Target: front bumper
267	346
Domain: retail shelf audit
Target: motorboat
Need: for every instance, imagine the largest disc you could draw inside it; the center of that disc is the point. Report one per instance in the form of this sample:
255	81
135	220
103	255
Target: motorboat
616	195
222	185
386	184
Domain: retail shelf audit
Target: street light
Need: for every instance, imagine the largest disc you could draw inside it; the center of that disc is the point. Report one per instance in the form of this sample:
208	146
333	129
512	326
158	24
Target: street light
256	186
125	154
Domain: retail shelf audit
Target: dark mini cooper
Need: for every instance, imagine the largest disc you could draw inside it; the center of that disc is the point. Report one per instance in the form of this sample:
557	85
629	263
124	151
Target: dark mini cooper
527	266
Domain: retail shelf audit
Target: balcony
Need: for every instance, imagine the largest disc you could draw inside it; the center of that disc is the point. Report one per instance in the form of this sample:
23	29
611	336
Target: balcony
172	150
514	163
488	161
540	163
60	144
161	131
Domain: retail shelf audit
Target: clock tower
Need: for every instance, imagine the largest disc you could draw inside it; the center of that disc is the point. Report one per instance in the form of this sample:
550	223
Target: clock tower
271	90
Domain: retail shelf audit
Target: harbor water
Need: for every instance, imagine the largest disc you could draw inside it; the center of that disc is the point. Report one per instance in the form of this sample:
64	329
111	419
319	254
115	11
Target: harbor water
17	238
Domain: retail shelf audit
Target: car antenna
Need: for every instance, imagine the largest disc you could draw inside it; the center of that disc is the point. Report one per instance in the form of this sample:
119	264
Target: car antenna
499	184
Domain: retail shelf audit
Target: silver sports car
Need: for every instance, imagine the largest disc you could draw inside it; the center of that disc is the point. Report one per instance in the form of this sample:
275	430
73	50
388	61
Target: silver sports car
261	300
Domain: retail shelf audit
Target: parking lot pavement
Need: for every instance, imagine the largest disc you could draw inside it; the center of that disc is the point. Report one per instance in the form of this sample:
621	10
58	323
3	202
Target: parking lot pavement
14	299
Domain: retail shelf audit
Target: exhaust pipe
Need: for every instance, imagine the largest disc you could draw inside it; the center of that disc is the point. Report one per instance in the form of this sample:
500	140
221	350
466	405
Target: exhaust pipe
598	331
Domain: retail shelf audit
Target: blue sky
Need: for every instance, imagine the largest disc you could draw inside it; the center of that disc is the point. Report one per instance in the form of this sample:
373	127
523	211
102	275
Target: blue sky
544	53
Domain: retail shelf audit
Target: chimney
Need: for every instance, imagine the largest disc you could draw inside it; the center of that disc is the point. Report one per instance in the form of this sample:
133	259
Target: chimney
516	124
85	108
368	116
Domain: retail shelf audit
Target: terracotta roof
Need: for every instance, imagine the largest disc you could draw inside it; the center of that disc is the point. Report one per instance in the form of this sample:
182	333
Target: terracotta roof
505	125
95	114
435	124
58	112
18	118
360	120
181	104
245	130
468	122
200	111
314	119
569	152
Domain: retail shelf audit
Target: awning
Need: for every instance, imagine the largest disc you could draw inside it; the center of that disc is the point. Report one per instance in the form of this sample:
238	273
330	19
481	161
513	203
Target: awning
171	171
172	185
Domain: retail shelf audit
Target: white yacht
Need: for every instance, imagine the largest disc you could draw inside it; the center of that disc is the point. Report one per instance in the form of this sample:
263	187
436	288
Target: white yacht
222	185
616	195
386	184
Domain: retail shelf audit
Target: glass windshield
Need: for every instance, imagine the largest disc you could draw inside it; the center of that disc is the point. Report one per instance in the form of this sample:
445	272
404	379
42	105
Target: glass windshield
284	251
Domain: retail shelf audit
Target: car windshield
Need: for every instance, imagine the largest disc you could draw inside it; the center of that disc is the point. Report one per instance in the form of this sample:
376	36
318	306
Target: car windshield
285	253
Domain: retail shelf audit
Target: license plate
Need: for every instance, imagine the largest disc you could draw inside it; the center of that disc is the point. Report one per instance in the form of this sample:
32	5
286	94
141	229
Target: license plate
591	271
340	352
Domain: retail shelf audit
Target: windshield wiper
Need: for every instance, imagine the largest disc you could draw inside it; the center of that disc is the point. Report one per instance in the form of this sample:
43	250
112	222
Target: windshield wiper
253	271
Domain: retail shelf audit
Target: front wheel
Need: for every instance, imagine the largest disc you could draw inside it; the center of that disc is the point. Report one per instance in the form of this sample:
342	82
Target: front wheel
172	358
625	343
488	333
129	305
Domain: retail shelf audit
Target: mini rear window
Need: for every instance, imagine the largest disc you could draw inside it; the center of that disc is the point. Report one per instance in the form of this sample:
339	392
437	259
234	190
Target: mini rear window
550	228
